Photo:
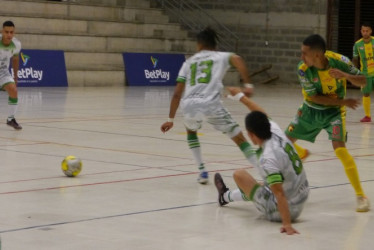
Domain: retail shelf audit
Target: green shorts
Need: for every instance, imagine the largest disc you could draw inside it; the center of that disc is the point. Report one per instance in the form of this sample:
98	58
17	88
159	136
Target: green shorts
309	122
369	85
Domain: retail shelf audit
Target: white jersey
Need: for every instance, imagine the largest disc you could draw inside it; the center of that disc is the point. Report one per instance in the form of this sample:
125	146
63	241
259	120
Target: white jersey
202	74
6	54
279	163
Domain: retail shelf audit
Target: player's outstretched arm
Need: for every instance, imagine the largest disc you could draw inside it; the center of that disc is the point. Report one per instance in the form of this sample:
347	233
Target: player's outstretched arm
15	65
239	64
174	104
283	209
326	100
237	94
357	80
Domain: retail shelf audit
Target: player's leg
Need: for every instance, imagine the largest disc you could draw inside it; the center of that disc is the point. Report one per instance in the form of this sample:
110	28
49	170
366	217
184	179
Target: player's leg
337	133
194	145
11	89
302	128
192	126
221	120
366	101
246	187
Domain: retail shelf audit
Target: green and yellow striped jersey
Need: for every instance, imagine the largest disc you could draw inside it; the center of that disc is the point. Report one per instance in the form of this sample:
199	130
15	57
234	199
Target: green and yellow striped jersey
319	82
365	52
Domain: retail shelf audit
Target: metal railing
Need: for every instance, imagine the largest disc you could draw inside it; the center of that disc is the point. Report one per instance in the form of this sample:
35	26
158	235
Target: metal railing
195	19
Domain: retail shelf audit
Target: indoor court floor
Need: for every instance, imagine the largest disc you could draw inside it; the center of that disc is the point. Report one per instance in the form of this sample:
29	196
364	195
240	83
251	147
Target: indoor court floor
138	188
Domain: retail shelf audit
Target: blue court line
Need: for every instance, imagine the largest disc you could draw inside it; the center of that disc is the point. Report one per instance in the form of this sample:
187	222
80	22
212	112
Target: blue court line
141	212
105	217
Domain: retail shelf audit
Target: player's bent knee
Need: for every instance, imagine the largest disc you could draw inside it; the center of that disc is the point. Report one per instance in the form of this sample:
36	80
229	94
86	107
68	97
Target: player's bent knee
239	175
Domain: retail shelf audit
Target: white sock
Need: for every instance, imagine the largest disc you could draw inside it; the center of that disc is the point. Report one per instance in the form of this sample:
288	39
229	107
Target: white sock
12	109
234	195
194	145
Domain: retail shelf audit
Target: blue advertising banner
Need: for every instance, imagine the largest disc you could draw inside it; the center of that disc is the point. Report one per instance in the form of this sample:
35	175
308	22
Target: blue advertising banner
41	68
155	69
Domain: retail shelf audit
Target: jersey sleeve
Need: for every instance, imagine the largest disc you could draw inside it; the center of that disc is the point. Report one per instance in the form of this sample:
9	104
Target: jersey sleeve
347	66
182	75
305	81
274	175
355	50
18	46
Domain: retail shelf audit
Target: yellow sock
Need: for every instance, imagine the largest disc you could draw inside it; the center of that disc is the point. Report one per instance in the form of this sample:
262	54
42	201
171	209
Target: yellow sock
350	169
300	151
366	104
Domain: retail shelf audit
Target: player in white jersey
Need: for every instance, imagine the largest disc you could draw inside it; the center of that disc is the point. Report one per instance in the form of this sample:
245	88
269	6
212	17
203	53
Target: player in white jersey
285	188
200	82
10	48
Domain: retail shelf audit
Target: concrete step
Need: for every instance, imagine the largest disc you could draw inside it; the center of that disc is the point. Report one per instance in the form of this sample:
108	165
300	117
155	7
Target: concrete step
81	12
105	44
94	61
96	78
126	3
31	25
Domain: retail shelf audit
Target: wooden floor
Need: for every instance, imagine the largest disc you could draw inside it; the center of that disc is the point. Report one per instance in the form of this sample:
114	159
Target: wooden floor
138	187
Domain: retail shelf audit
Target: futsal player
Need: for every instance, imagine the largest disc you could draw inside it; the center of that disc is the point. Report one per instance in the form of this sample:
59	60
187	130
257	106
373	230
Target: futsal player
10	48
285	189
198	91
363	53
323	76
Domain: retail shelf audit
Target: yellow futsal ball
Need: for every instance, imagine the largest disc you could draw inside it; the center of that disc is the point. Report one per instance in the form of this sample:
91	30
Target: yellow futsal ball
71	166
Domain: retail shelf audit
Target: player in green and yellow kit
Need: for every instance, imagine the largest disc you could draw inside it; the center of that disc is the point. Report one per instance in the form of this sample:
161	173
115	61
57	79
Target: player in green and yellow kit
363	52
323	76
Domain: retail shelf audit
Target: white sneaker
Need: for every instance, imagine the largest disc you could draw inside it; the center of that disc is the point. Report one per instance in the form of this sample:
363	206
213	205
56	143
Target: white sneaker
203	178
363	204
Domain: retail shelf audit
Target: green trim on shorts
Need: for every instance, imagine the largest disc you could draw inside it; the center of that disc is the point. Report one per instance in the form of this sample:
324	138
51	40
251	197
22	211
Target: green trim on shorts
7	83
253	191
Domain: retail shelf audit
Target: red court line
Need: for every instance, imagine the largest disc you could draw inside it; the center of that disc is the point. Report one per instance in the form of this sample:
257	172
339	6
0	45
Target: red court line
121	171
106	182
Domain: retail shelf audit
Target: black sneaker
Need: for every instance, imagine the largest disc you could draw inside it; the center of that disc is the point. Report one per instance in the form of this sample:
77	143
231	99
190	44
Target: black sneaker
221	188
13	123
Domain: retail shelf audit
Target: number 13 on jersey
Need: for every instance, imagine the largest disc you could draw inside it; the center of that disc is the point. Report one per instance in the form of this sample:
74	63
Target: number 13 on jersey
201	72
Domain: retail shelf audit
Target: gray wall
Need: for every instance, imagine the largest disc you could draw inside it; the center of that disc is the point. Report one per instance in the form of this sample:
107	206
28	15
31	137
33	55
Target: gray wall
283	24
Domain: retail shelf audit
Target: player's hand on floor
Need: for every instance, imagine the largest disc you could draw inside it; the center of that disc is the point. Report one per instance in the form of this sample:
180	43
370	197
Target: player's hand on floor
166	126
289	230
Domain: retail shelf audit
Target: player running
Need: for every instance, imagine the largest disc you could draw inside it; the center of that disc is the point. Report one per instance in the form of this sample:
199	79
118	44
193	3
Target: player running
198	90
363	52
10	47
285	189
323	76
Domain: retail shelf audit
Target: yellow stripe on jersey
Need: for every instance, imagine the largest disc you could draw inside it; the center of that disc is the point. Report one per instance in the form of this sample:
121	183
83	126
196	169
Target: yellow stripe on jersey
369	57
328	83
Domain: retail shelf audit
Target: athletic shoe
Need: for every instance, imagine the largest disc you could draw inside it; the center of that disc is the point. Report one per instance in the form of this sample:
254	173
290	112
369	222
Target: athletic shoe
203	177
13	123
363	204
366	119
221	188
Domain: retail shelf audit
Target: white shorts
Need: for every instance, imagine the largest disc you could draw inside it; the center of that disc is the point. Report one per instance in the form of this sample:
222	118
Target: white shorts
266	203
5	77
216	115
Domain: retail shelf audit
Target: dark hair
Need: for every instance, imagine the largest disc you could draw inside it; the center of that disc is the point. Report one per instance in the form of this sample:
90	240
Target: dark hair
258	123
315	42
367	24
8	24
208	38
